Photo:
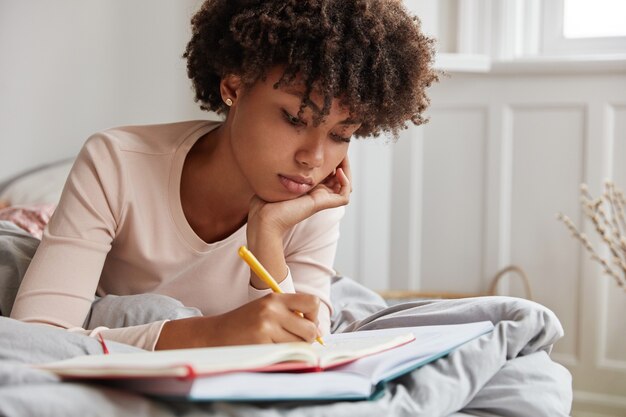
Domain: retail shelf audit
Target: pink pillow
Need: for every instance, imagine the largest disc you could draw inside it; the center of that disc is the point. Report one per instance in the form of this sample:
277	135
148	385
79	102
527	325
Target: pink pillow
33	219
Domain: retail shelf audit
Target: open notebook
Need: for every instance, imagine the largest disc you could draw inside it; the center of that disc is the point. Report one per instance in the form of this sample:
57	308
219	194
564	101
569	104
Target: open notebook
351	366
192	363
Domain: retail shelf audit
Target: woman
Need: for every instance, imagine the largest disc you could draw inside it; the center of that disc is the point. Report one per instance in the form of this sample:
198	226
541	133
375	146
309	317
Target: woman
162	209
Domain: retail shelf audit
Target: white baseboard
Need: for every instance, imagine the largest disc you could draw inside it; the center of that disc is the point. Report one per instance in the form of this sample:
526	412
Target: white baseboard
576	413
592	404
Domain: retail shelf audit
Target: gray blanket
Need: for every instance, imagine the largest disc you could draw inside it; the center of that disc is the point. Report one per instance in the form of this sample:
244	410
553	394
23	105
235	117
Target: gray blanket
505	373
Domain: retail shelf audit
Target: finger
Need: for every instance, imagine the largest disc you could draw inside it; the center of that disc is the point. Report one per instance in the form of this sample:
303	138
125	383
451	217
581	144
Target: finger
334	185
307	304
301	327
337	182
345	166
294	322
282	335
344	181
331	180
327	198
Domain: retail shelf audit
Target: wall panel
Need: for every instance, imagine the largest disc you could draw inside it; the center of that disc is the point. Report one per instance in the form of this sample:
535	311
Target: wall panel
453	201
614	346
547	169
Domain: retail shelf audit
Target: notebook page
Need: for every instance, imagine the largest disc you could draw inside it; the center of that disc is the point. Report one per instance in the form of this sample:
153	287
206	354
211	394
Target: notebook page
339	349
176	362
430	342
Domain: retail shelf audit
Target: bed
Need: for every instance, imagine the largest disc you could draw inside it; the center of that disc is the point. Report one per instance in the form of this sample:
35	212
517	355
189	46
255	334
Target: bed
505	373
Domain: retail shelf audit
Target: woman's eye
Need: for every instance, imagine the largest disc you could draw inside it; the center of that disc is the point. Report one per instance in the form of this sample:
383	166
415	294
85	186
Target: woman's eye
293	119
296	121
339	138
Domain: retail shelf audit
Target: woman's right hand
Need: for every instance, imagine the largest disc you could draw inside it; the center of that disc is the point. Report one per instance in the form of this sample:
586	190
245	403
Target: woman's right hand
270	319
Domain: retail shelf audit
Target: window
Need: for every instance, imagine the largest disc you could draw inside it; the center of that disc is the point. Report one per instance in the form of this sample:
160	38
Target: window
510	30
583	27
594	19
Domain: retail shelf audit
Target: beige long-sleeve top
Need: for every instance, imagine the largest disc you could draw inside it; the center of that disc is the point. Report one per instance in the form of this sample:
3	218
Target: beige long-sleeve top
120	229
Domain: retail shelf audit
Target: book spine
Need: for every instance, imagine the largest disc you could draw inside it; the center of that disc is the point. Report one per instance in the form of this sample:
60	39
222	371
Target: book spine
190	373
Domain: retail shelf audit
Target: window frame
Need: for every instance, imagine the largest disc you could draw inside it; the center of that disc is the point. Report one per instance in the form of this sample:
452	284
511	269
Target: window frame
511	30
554	43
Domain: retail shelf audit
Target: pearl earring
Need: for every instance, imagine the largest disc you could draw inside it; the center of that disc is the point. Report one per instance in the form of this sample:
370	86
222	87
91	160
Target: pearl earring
228	102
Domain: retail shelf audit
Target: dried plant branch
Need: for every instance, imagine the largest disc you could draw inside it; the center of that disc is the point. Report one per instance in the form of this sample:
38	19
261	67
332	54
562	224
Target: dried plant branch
614	206
603	226
619	220
605	229
608	216
619	205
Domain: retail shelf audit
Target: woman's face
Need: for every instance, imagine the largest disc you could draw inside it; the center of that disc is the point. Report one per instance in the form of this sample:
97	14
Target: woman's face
281	155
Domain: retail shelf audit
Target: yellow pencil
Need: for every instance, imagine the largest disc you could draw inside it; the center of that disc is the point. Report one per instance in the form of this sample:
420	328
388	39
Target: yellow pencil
264	275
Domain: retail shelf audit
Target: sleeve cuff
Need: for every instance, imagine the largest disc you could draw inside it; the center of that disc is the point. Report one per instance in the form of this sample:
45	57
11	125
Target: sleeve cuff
286	285
144	336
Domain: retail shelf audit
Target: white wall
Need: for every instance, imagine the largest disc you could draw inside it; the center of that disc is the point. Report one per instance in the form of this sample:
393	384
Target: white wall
70	68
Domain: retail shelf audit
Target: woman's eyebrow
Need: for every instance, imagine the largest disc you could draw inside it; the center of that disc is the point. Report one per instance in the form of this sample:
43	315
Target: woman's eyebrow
316	108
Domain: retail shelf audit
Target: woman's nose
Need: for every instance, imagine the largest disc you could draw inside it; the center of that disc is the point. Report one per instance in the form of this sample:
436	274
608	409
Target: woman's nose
311	154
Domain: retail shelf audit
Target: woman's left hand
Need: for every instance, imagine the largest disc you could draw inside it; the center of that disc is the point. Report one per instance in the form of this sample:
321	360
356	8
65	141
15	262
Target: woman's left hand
280	216
268	222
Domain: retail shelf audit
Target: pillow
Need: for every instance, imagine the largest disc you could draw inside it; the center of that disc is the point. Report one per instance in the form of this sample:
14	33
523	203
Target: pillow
32	219
39	186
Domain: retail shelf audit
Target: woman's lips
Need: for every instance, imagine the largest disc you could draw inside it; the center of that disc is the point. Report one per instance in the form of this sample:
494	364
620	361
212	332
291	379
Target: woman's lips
296	185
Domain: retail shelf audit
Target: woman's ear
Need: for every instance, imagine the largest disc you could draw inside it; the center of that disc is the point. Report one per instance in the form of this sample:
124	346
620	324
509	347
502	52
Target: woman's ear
230	88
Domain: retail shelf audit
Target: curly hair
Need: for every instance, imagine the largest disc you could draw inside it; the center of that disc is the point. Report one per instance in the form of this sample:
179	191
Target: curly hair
369	54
